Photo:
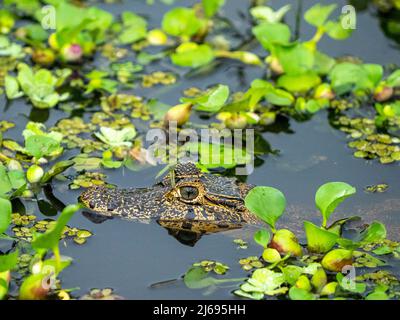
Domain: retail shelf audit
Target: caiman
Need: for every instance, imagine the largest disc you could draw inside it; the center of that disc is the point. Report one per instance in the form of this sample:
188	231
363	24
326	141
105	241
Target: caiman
186	200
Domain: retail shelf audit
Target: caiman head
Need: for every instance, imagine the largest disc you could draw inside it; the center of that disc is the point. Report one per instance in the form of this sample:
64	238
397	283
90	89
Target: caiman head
186	199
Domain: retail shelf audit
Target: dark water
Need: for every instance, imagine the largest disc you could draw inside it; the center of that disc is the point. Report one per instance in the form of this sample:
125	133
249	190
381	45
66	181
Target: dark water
129	256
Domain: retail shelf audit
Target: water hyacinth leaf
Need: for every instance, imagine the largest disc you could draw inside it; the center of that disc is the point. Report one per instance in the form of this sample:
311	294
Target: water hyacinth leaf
50	239
271	34
5	183
299	82
262	237
335	30
394	79
330	195
181	22
211	7
116	138
40	145
55	170
286	242
5	214
212	100
279	97
296	58
292	273
300	294
192	55
349	284
8	261
12	88
318	239
134	28
318	14
375	232
268	14
267	203
336	259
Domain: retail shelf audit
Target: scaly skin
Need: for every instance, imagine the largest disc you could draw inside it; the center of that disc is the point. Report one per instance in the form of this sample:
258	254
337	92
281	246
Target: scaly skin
219	204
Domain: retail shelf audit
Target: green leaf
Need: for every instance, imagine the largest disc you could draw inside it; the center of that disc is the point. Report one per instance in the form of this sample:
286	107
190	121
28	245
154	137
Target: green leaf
50	239
375	232
295	59
394	79
330	195
8	261
319	240
116	138
300	294
134	28
271	34
212	100
192	55
180	22
262	237
40	146
5	183
5	214
211	7
318	14
267	14
279	97
299	82
12	88
197	278
335	30
267	203
55	170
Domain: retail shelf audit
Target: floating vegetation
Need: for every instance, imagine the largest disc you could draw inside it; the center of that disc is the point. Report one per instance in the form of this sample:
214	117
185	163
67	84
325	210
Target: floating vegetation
381	187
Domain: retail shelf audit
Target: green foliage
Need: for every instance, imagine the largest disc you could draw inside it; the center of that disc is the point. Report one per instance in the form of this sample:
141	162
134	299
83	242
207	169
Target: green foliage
211	7
40	87
190	54
116	138
318	239
134	28
262	237
5	216
181	22
330	195
212	100
267	203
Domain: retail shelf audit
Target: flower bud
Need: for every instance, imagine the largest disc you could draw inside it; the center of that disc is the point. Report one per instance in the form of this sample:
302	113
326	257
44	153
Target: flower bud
34	173
53	43
286	242
319	279
383	93
180	113
44	57
157	37
324	91
303	283
14	165
336	259
71	52
271	255
329	289
275	65
34	288
236	121
5	278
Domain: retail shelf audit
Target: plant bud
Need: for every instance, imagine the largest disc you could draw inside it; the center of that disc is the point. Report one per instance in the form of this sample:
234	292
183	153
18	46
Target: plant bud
275	65
271	255
34	288
236	121
157	37
286	242
336	259
324	91
53	43
34	173
180	113
44	57
5	276
319	279
71	53
383	93
14	165
329	289
303	283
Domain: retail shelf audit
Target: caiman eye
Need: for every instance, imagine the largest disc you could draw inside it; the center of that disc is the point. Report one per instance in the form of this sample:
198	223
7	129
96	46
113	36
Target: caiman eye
189	193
